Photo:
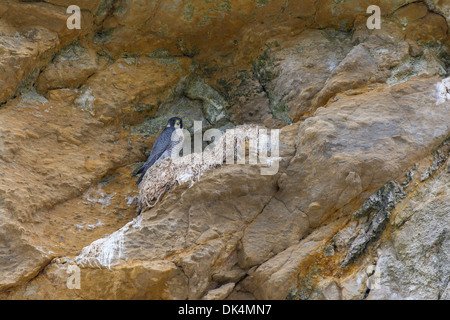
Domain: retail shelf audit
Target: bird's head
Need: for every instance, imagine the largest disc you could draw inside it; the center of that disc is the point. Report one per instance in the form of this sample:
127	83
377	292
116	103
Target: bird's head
175	122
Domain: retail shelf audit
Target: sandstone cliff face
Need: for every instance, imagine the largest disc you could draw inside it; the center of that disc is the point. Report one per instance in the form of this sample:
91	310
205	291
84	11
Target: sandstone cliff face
358	208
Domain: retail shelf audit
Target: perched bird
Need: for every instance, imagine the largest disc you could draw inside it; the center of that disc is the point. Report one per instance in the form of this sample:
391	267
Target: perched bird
167	144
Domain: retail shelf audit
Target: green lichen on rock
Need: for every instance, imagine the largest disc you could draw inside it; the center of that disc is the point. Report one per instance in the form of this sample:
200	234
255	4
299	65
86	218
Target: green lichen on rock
221	5
188	12
378	208
262	3
213	104
306	288
192	100
187	48
72	51
262	67
104	7
231	89
143	107
279	108
427	63
440	156
188	110
225	5
264	71
164	57
103	36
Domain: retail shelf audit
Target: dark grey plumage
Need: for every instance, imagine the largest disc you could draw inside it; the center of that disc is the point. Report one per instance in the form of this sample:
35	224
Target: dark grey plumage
163	146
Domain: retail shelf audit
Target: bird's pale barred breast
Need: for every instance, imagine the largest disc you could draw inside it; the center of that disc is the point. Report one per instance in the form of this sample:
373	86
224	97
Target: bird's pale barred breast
177	143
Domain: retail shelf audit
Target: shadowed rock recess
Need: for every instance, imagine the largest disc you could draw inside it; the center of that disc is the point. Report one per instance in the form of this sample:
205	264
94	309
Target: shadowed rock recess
358	208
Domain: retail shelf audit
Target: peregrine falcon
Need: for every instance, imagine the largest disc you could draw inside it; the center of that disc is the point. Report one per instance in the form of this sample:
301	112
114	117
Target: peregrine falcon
167	144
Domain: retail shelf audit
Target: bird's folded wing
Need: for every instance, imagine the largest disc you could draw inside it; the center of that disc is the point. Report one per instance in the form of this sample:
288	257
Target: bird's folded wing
162	143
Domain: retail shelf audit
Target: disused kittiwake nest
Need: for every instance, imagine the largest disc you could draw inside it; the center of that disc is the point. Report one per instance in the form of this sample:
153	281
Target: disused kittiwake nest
162	176
231	145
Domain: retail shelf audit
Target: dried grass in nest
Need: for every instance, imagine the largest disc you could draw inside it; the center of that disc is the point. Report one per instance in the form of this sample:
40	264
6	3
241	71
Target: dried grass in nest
166	173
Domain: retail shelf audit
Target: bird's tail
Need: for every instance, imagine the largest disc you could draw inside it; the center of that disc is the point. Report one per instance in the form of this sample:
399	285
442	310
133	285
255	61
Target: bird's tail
140	179
140	170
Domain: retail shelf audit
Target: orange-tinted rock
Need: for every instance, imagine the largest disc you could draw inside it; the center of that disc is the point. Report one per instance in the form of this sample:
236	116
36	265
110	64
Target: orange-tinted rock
80	108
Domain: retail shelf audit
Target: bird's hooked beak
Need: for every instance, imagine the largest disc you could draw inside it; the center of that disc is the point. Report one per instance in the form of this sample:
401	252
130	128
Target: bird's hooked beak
177	124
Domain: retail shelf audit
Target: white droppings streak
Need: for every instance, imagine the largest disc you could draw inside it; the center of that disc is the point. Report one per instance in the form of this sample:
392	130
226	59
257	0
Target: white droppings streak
98	196
107	251
443	91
